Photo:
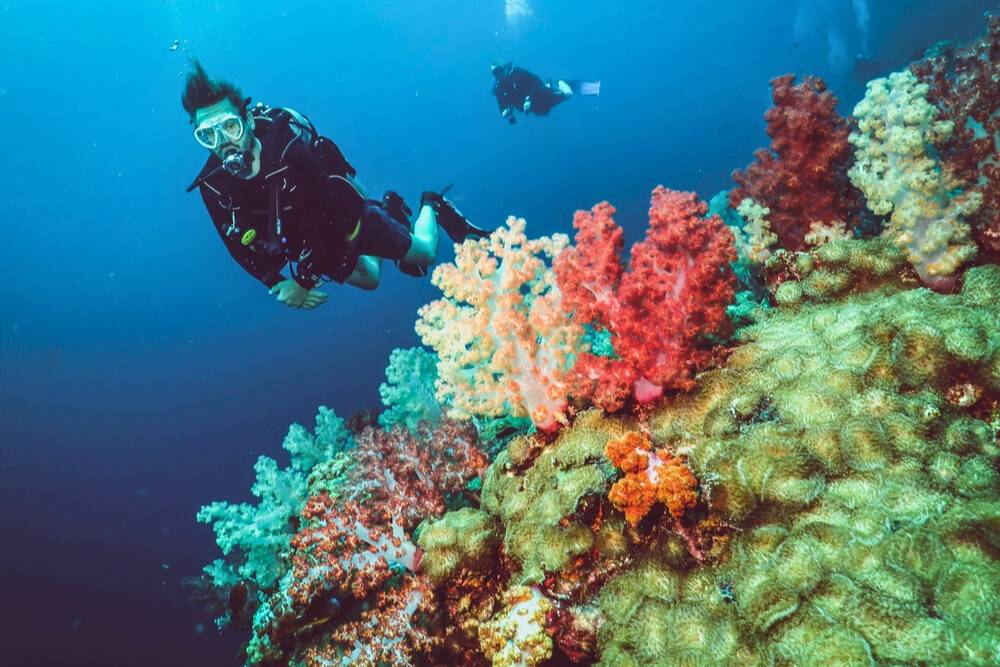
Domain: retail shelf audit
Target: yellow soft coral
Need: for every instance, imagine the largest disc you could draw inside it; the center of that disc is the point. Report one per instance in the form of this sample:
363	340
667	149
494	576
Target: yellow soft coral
516	637
502	338
757	237
896	171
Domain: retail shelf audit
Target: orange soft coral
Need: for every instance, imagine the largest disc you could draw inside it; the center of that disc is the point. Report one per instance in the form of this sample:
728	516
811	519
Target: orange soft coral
650	477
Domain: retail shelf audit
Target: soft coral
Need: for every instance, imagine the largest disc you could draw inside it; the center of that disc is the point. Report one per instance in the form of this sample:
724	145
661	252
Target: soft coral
660	310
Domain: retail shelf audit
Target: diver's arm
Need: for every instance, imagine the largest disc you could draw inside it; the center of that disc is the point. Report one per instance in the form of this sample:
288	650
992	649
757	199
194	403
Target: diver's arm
367	273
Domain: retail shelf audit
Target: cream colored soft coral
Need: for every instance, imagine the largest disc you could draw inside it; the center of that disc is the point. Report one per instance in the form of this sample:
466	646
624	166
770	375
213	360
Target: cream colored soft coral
896	170
516	636
757	238
503	340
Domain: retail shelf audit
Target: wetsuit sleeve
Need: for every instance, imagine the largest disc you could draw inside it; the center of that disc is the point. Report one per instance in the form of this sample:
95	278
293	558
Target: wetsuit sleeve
265	268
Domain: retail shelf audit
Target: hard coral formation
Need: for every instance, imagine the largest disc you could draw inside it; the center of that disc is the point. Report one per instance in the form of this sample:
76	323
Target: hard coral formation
865	505
503	341
837	270
802	178
660	311
896	142
541	500
467	537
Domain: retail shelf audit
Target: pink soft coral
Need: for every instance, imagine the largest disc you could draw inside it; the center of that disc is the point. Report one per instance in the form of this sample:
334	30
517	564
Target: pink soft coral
802	178
660	311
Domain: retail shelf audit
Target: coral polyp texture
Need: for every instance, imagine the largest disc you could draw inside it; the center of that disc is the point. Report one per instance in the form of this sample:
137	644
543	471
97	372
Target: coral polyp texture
621	462
651	476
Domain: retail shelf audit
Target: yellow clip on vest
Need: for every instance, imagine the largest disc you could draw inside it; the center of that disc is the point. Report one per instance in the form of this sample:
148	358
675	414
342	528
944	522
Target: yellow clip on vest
357	229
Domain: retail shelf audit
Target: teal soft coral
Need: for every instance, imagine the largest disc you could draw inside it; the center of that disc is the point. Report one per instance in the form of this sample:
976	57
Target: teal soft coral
255	537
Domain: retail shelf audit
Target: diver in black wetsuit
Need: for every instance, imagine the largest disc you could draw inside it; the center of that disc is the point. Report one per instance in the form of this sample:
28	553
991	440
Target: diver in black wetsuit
517	89
279	194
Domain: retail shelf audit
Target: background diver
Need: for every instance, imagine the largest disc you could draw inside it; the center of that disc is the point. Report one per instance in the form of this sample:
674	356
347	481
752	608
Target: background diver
518	89
280	194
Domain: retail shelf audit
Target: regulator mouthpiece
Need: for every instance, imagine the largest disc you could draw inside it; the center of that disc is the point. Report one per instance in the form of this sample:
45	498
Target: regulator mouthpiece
235	162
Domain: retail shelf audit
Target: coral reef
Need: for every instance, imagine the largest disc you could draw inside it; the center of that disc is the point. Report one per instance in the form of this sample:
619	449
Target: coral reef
539	496
801	180
865	502
256	537
353	557
820	486
502	339
516	637
757	238
660	310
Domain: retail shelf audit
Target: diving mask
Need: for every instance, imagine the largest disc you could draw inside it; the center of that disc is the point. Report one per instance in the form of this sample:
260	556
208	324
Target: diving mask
215	130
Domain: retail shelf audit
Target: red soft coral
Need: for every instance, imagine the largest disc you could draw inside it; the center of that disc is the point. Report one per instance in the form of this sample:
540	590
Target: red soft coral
389	633
963	86
660	311
802	178
349	545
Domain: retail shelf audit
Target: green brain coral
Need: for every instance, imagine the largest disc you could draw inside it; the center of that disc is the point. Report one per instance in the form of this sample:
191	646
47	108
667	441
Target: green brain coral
861	490
538	504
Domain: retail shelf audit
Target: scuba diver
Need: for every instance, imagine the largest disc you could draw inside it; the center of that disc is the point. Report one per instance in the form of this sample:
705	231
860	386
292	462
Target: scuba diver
280	194
517	89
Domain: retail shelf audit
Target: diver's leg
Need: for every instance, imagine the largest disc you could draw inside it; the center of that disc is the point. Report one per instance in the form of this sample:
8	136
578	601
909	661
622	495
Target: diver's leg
423	249
367	273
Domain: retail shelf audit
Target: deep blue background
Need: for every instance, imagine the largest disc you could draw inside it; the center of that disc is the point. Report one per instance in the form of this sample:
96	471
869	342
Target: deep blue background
142	372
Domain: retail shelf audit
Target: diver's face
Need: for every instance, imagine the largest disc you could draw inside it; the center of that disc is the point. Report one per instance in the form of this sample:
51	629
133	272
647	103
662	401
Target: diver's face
226	142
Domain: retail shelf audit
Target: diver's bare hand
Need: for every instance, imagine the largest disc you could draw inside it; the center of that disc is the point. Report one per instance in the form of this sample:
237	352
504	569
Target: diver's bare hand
315	298
295	295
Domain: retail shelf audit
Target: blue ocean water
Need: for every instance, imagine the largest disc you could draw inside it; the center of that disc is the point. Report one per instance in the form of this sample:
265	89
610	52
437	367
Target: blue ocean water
142	372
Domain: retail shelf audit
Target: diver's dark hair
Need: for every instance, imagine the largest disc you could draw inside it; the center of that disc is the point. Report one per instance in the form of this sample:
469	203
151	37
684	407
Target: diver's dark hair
201	90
